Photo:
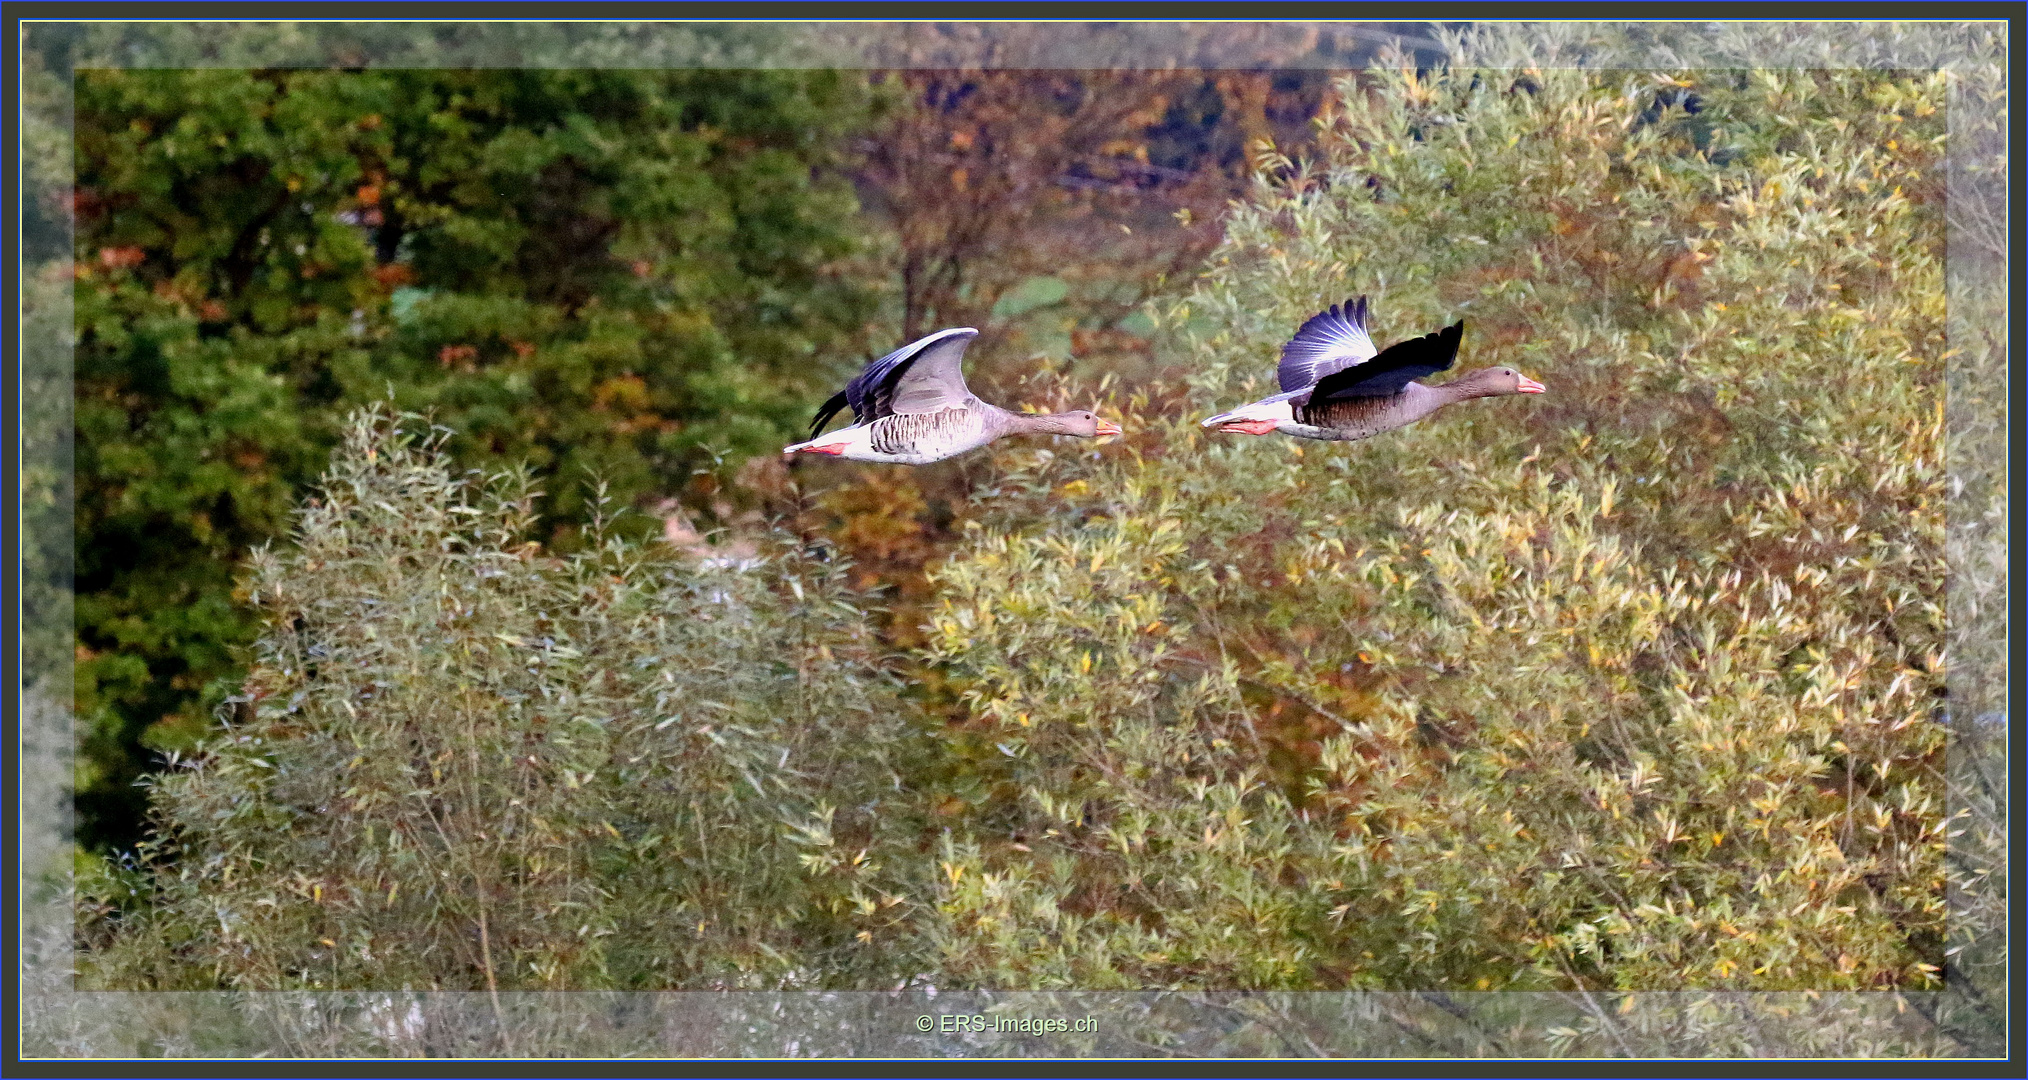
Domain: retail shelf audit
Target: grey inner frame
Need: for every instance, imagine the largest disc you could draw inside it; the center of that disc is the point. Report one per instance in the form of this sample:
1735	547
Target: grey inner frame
1969	1018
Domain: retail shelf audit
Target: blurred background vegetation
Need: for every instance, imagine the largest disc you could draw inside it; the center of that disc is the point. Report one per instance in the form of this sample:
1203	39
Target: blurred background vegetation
550	674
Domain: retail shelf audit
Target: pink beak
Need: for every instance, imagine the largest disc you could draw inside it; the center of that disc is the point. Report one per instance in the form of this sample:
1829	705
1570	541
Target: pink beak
1530	386
1107	427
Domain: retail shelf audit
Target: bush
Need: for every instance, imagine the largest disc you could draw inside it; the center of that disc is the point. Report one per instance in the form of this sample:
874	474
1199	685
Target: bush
1631	686
621	270
462	764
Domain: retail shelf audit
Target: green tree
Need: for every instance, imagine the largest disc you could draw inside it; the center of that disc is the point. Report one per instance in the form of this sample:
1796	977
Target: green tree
465	765
1632	687
613	272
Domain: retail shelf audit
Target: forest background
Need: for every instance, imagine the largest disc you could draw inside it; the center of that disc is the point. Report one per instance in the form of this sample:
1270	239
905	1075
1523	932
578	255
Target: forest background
1169	713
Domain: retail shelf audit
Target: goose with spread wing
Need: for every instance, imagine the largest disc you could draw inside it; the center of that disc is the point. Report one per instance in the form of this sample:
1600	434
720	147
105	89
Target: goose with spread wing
911	407
1336	385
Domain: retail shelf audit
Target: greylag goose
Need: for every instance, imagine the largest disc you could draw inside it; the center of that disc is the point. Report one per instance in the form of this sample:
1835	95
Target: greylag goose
911	407
1335	385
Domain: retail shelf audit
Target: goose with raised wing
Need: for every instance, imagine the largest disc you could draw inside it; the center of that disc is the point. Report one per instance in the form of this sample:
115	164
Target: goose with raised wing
911	407
1336	385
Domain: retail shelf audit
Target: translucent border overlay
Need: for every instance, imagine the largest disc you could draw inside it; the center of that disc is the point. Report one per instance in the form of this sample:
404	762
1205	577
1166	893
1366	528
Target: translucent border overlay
1968	1018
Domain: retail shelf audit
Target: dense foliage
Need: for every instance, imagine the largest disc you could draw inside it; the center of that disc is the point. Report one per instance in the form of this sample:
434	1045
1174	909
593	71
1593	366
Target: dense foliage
464	764
1627	687
593	271
611	272
1630	686
1636	686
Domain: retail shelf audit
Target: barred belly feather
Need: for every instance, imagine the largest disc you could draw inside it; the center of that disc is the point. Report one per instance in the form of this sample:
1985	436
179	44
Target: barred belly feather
923	437
1360	418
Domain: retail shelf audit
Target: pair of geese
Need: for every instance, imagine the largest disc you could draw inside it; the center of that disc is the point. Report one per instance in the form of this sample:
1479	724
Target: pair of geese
911	407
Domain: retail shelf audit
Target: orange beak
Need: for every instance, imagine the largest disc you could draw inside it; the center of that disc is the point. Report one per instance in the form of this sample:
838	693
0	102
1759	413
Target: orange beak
1107	427
1530	386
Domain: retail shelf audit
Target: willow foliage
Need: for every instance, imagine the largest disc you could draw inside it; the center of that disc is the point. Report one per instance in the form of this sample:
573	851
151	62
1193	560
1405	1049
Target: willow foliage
1631	686
463	765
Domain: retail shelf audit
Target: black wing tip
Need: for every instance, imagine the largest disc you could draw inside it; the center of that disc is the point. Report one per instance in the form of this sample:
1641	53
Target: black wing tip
1447	341
826	411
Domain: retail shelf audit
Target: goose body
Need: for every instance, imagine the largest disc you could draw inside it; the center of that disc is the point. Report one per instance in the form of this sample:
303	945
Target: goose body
907	438
1337	386
911	407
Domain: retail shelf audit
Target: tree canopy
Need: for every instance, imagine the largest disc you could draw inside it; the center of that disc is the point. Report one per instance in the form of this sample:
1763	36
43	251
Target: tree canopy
1638	685
1627	687
610	274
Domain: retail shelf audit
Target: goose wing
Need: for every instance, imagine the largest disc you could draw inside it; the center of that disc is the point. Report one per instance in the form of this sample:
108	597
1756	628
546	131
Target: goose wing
925	375
1394	367
1331	341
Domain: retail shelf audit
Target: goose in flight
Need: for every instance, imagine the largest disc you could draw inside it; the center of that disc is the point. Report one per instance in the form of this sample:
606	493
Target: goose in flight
1336	385
911	407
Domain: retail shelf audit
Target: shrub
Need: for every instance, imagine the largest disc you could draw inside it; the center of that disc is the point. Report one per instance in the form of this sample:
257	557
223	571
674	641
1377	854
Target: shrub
462	764
620	270
1630	687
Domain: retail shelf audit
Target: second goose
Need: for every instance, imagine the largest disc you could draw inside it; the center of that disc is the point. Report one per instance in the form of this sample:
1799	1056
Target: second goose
1336	385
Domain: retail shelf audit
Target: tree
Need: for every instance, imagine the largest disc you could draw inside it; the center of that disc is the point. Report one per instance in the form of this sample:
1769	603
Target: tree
461	764
1046	205
1630	687
606	272
1635	686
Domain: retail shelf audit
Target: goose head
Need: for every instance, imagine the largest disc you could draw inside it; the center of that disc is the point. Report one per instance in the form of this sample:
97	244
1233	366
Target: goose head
1495	382
1084	424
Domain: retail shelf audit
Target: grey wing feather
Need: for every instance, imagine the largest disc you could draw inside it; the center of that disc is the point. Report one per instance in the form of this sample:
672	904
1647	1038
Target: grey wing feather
935	380
892	384
1331	341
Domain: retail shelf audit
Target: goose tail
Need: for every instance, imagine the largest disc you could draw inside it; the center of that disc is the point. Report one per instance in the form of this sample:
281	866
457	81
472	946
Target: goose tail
1276	408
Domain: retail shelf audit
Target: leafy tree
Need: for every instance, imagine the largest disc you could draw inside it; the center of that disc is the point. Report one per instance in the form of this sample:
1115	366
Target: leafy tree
611	272
1046	205
1629	687
464	765
1633	687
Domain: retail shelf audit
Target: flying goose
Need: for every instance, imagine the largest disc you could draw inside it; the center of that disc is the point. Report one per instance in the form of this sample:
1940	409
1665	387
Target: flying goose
1335	385
911	407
